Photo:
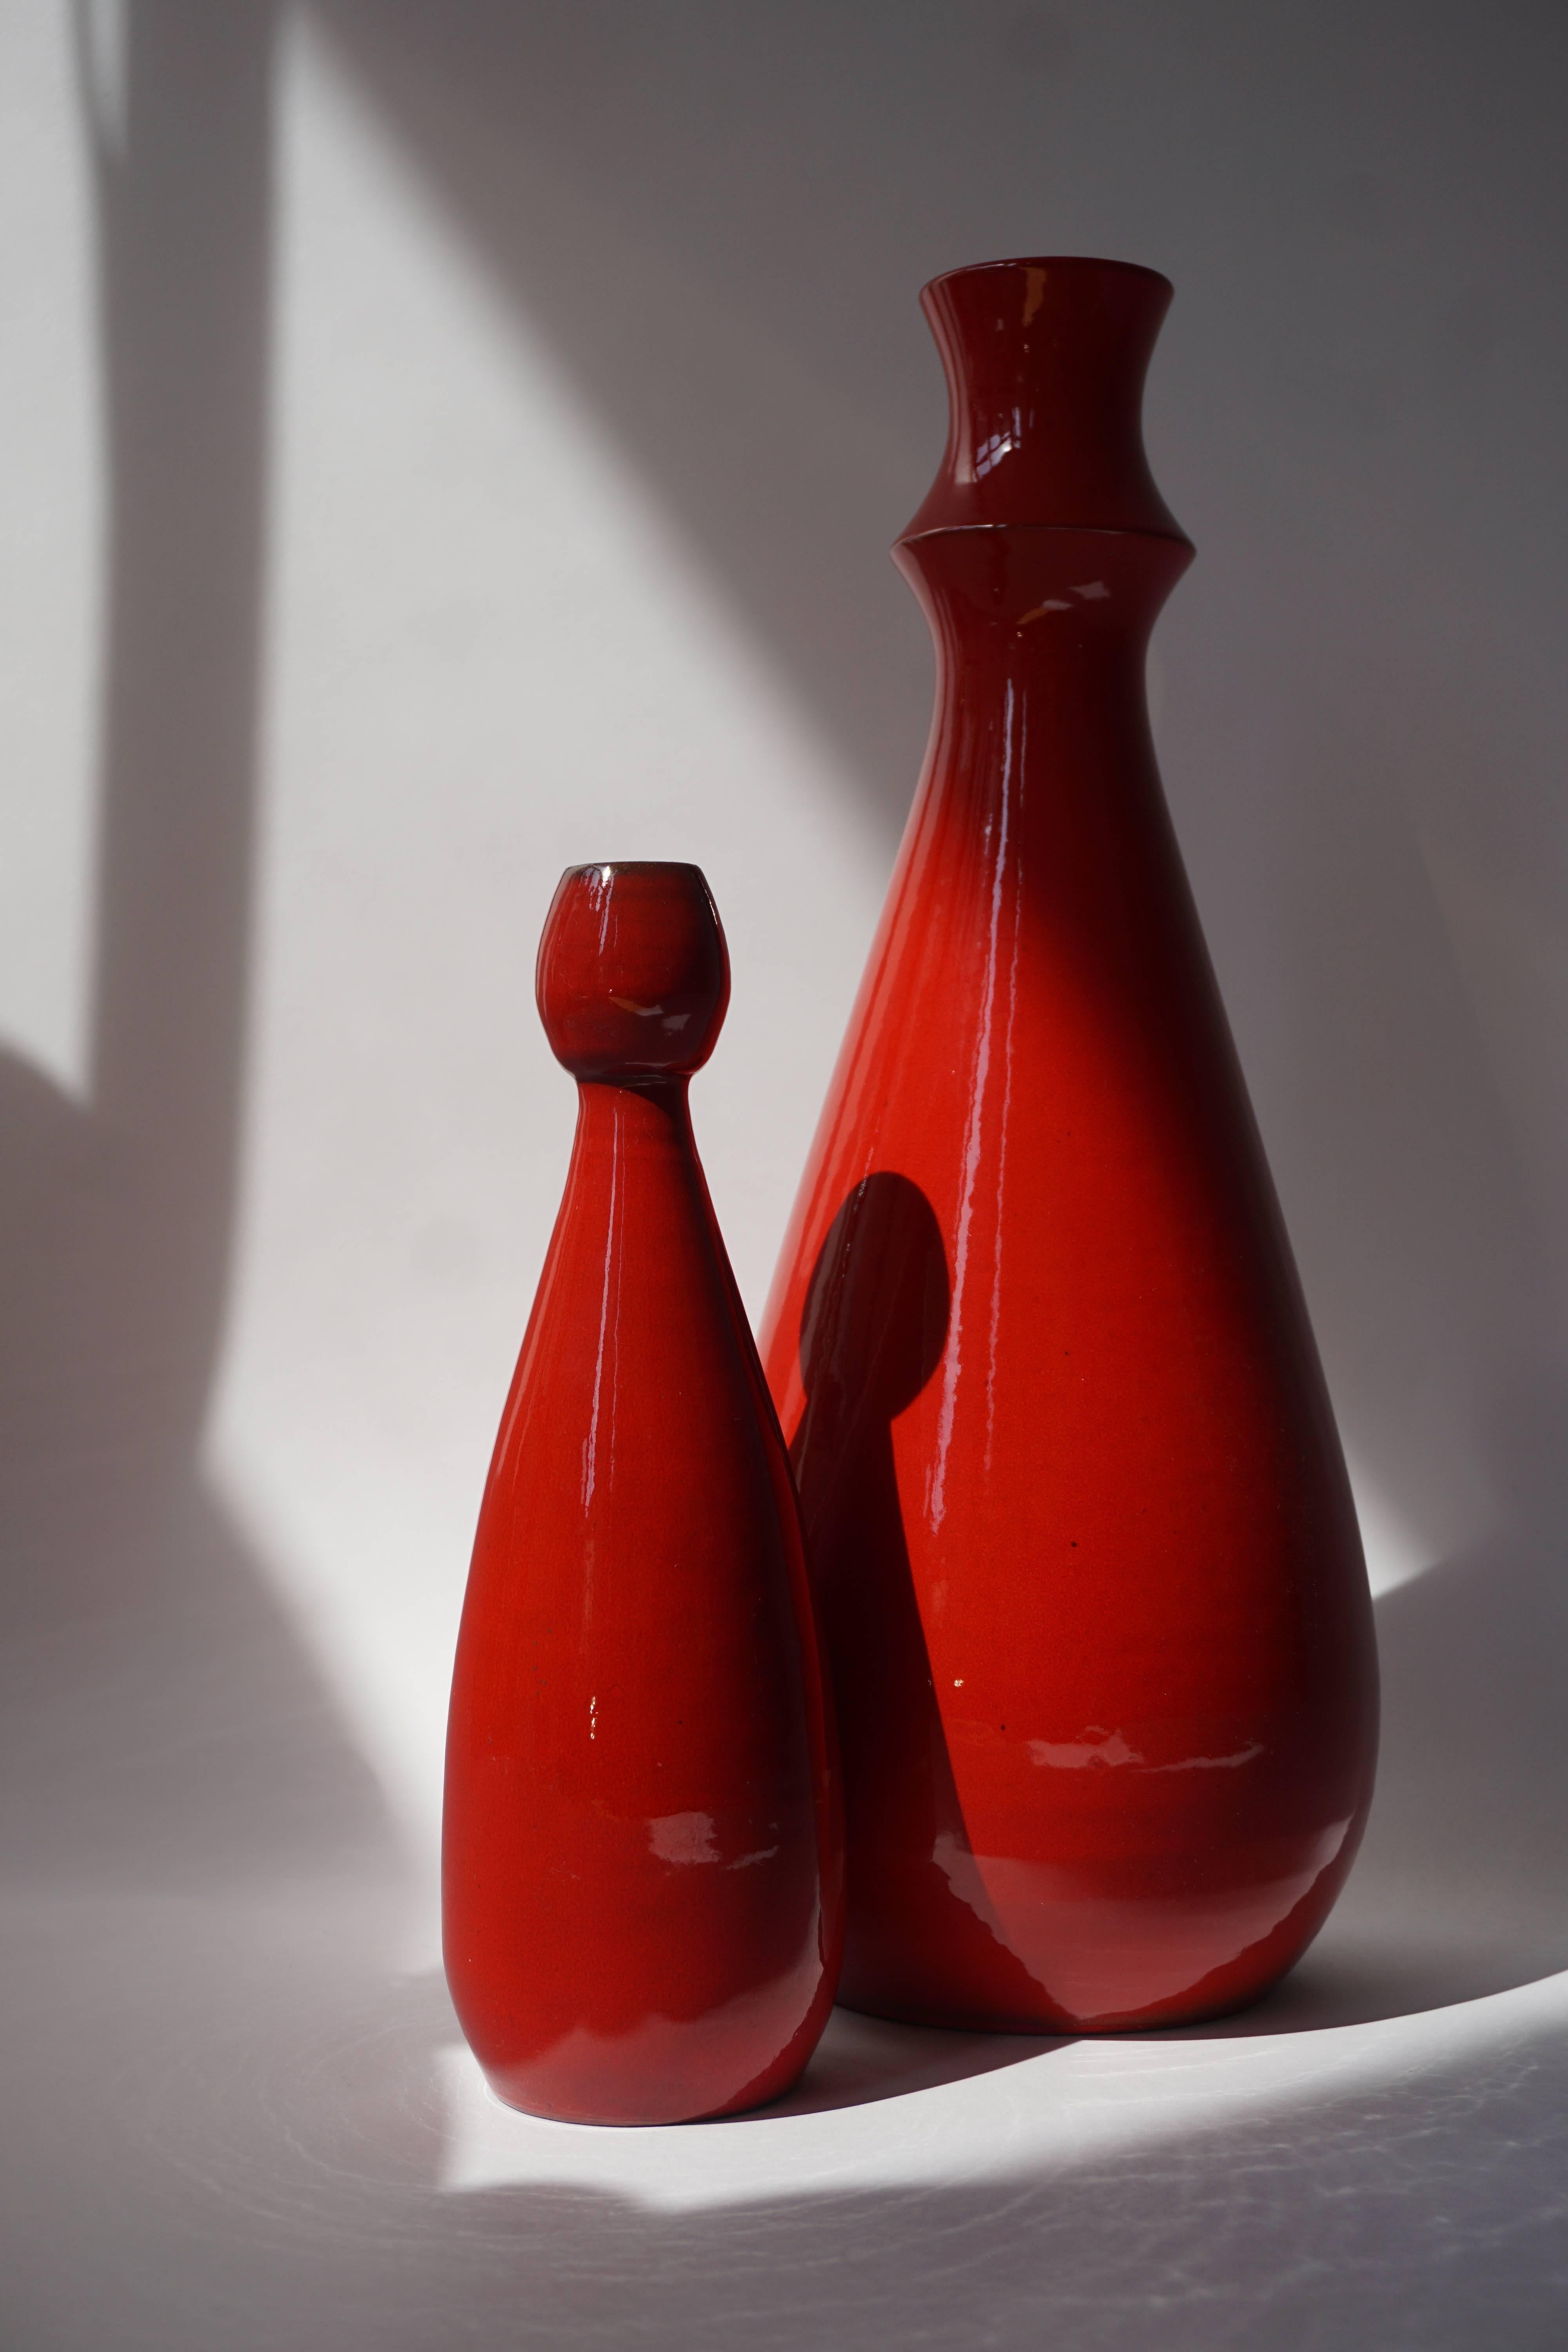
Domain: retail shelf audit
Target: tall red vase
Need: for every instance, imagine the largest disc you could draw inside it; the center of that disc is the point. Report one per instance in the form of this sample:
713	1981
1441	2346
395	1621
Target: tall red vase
642	1863
1085	1552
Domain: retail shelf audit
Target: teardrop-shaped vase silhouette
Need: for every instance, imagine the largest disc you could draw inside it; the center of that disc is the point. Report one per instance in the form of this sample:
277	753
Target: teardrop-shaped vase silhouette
1131	1700
642	1855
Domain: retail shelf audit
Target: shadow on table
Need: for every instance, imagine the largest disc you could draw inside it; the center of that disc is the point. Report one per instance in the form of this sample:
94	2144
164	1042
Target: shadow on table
258	2136
226	2118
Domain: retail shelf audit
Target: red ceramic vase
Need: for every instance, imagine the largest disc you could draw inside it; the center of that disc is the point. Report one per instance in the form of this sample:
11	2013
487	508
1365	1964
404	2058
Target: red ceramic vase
1085	1553
642	1855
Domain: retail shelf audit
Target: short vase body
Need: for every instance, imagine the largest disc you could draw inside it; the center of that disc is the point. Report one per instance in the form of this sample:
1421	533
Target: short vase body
642	1854
1085	1557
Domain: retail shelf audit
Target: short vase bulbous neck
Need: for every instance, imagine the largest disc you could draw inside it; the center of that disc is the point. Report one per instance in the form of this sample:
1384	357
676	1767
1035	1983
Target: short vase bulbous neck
1045	361
633	974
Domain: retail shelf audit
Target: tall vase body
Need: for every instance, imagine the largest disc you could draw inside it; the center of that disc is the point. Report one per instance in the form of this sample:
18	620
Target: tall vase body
642	1857
1085	1558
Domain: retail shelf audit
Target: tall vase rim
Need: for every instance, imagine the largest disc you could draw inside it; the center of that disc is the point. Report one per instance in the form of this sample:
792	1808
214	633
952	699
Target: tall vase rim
1086	262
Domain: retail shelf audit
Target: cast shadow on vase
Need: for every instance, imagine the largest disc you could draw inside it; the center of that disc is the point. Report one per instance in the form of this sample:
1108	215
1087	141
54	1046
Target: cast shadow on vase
1038	1937
874	1327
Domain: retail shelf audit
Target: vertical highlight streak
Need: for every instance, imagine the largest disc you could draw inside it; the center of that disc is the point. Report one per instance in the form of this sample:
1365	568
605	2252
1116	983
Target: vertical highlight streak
612	1253
937	1491
1006	1106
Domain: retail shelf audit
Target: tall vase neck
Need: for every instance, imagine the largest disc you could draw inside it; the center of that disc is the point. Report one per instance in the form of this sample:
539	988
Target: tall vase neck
1060	611
1045	363
1040	640
1044	552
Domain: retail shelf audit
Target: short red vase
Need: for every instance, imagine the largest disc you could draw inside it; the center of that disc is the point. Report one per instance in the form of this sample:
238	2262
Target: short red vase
1085	1552
642	1861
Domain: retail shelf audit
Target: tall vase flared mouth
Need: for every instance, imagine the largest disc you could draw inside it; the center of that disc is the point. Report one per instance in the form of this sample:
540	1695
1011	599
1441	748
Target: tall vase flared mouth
1045	361
1085	266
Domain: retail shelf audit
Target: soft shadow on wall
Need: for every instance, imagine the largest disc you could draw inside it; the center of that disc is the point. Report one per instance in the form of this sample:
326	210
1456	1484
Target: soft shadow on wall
196	1865
721	221
164	1732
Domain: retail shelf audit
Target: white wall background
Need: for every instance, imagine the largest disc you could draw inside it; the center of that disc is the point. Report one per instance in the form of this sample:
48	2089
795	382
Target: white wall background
440	444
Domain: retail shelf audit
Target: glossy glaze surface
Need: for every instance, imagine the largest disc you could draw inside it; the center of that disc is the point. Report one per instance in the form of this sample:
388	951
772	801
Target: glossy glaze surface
1085	1557
642	1855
